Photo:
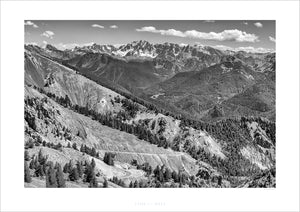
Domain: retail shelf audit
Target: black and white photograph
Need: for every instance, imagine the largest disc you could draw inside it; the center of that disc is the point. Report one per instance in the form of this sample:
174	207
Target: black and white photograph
150	104
169	105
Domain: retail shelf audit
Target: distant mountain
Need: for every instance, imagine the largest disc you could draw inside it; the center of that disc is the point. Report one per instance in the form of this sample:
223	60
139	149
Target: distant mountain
193	79
230	82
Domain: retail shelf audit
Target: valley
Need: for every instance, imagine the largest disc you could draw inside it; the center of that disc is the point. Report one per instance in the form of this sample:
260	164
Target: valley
148	115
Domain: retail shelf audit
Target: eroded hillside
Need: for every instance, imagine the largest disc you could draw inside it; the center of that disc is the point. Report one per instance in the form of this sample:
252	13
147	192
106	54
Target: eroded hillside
121	140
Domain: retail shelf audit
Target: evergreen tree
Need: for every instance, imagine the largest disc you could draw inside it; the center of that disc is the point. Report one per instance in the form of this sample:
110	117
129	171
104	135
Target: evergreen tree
93	163
105	184
69	145
67	167
51	181
93	183
131	184
167	174
82	148
79	169
39	171
74	176
136	184
31	164
74	146
41	159
60	176
27	176
26	156
93	152
109	158
89	173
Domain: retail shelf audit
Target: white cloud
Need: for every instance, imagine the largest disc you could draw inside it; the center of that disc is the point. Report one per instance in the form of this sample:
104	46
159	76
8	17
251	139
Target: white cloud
272	39
226	35
246	49
30	23
223	48
63	46
246	23
258	24
98	26
209	21
31	43
48	34
114	27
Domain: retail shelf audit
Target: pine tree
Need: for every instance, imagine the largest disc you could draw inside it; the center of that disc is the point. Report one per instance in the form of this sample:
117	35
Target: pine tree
67	167
93	183
74	146
74	176
167	174
39	171
93	152
51	181
82	148
26	156
105	184
109	158
27	176
61	183
31	164
41	159
136	184
89	173
131	184
69	145
93	164
79	169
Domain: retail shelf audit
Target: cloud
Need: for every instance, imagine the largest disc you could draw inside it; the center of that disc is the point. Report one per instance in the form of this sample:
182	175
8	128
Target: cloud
48	34
209	21
98	26
272	39
31	43
246	23
114	27
63	46
226	35
30	23
258	24
250	49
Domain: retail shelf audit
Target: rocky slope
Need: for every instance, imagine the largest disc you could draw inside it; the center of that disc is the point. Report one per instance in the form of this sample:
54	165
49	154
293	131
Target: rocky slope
63	106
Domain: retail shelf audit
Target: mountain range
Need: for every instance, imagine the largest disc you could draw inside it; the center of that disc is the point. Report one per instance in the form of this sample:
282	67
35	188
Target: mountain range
205	115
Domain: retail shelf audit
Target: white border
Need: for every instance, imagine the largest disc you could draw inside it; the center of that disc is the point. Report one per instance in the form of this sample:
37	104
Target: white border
16	198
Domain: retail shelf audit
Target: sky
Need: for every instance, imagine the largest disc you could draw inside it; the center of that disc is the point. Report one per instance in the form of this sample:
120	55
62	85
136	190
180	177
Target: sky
249	35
